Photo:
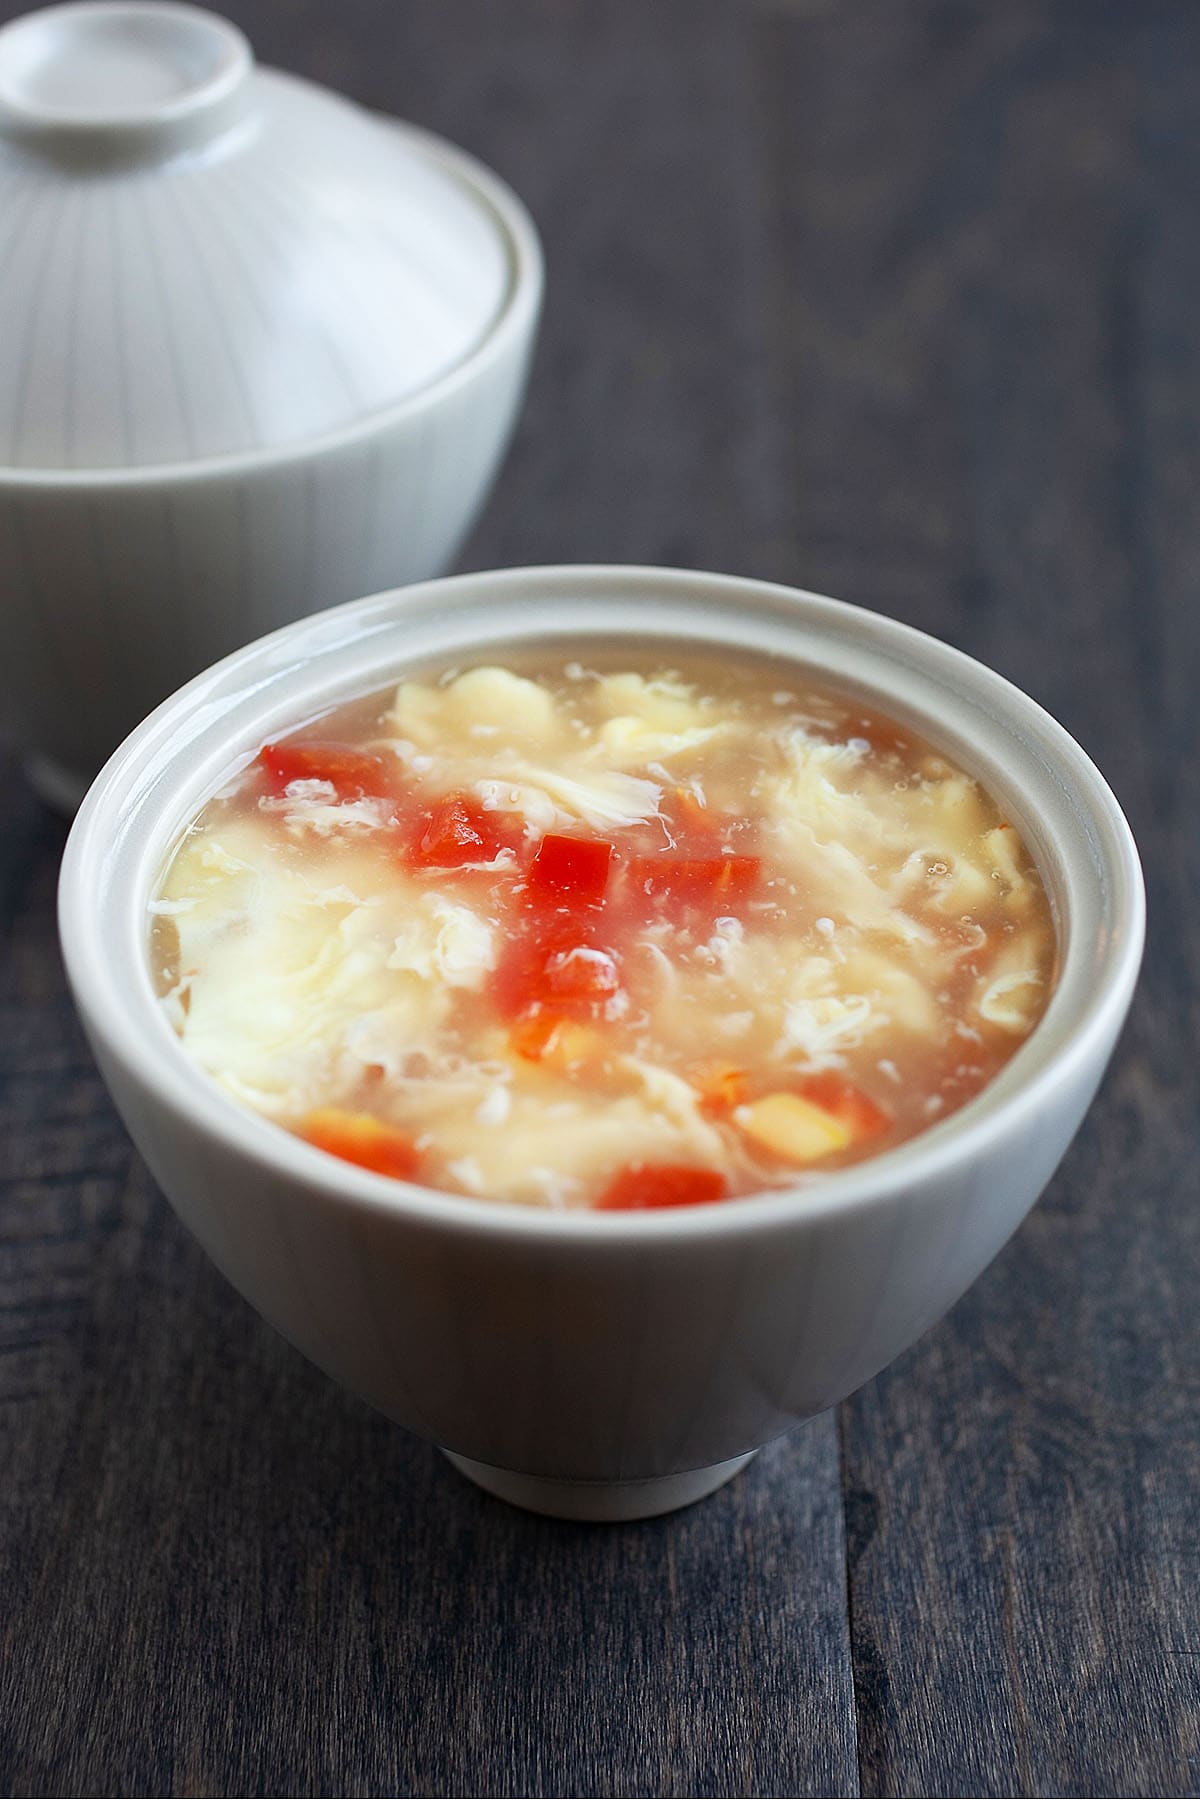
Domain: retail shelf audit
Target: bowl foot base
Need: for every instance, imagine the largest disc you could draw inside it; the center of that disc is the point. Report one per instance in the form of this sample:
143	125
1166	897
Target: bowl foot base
610	1502
62	789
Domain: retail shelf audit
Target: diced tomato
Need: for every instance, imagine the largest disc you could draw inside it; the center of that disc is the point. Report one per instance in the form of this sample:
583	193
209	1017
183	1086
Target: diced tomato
458	830
709	882
644	1185
560	971
353	773
571	869
362	1139
848	1104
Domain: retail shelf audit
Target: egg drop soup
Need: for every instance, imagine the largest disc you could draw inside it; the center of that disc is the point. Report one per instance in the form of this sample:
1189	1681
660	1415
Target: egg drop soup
596	937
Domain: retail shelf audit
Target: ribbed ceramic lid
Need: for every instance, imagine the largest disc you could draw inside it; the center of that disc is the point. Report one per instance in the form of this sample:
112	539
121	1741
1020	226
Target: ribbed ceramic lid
200	259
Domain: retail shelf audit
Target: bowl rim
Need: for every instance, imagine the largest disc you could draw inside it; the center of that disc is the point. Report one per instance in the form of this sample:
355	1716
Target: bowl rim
515	320
962	1139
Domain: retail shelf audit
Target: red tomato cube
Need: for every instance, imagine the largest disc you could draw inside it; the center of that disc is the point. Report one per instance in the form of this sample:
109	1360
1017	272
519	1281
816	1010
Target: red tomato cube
362	1139
457	831
568	868
353	773
645	1185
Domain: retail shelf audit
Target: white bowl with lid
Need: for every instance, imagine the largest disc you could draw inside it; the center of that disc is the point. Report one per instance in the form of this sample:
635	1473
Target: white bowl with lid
262	350
591	1364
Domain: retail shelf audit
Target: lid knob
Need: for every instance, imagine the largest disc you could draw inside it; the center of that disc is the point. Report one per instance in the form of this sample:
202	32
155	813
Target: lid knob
118	80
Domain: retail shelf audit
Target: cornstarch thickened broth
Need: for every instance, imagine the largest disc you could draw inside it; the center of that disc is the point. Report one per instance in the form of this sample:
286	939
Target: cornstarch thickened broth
587	937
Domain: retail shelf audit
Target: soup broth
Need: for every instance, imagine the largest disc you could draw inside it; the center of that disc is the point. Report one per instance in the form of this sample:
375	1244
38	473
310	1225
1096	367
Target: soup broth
598	936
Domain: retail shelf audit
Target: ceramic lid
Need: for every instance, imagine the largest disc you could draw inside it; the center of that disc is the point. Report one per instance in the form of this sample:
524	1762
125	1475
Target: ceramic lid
201	259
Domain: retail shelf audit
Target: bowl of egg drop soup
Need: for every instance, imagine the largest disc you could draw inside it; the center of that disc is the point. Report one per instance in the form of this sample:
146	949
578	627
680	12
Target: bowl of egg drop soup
601	1015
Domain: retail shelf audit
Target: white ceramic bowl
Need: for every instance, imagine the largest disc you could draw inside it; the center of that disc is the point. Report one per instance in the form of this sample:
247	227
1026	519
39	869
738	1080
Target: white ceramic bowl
599	1365
261	352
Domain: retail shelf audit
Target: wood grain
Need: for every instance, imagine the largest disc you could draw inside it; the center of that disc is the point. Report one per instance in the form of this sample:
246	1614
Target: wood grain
985	313
897	303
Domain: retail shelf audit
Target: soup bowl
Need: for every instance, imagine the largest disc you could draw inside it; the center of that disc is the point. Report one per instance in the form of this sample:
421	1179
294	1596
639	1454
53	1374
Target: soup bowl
599	1365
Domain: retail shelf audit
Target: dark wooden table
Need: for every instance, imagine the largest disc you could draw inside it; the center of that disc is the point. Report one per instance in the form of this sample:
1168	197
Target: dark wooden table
896	301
